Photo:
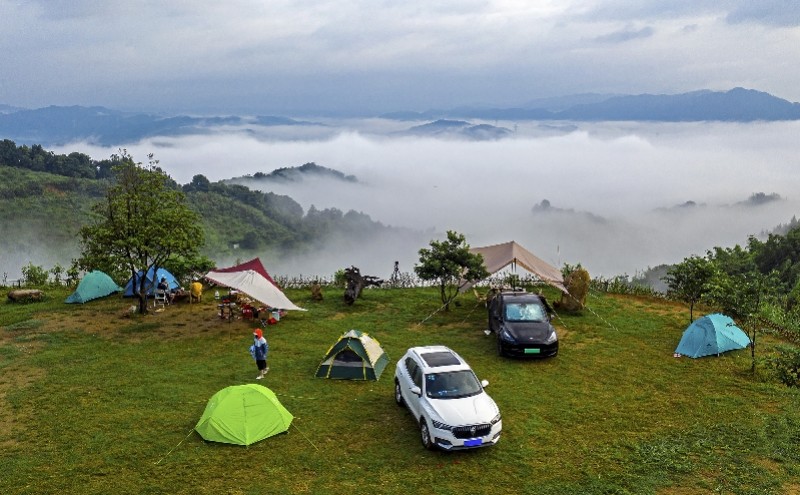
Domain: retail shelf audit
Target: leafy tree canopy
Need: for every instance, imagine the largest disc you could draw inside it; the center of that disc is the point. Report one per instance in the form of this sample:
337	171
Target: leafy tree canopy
143	222
448	262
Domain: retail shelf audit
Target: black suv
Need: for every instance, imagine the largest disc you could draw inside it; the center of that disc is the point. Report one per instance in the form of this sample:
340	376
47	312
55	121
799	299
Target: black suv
521	323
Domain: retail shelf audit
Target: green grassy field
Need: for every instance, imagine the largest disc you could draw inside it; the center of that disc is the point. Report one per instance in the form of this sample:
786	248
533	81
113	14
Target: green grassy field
95	401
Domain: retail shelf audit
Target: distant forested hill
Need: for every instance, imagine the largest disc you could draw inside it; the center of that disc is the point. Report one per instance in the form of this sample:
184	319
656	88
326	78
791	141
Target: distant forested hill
46	198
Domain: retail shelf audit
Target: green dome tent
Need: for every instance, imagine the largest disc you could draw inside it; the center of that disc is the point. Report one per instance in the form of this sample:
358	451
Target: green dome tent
355	356
93	285
242	415
711	334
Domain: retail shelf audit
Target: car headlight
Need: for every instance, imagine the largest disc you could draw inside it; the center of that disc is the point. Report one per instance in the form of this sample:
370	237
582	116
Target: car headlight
506	336
552	338
441	426
496	419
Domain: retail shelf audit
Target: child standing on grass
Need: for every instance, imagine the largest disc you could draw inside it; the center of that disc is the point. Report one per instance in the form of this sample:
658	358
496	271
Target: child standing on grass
261	348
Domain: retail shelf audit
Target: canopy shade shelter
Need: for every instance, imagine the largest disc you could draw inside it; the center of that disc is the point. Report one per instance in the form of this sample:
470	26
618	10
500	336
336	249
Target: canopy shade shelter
254	264
499	256
254	284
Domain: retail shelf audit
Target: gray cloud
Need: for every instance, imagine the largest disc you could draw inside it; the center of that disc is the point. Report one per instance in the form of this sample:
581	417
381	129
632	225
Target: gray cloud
626	34
359	56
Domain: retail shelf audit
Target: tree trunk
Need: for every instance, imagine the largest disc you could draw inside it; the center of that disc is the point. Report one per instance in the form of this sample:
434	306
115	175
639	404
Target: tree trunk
356	283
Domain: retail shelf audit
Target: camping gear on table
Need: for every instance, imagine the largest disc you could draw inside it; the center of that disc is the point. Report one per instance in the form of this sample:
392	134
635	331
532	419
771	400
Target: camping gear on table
243	415
93	285
355	356
712	334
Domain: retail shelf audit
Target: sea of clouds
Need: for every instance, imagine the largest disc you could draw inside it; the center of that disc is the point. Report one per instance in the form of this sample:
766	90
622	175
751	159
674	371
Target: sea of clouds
616	197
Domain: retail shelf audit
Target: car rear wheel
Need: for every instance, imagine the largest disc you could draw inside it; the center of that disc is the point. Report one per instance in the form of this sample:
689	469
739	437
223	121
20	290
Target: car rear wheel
398	396
425	434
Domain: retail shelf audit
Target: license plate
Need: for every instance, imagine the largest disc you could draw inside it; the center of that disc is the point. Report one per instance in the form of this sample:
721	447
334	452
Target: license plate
532	351
473	443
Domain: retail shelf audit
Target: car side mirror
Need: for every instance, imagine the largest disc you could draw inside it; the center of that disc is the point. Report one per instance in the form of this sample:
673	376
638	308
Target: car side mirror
484	383
416	390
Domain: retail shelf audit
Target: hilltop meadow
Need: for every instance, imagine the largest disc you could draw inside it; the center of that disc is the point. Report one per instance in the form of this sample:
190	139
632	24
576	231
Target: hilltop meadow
95	400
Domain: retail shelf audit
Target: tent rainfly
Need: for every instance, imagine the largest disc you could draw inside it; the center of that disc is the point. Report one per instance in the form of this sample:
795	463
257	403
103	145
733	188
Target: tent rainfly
243	415
499	256
93	285
712	334
252	279
355	356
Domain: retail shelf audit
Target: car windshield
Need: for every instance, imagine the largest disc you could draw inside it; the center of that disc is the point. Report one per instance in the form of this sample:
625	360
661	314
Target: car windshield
524	312
451	385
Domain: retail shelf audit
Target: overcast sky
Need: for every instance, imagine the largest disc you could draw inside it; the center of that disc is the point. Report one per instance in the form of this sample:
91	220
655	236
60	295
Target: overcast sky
320	56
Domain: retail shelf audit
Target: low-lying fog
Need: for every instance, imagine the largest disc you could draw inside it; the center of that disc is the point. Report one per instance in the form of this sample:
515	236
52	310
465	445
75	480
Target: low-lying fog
610	196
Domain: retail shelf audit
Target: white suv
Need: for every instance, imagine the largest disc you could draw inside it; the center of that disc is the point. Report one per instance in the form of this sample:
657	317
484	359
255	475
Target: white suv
446	398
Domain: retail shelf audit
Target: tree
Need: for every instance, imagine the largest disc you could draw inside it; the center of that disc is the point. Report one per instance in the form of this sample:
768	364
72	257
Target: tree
688	281
450	262
142	223
740	296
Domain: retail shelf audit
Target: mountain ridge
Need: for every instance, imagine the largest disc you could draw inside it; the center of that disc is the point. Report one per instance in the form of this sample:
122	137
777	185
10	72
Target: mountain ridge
60	125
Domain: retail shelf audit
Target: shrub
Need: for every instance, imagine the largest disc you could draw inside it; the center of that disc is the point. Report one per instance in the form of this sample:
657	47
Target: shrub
786	364
34	275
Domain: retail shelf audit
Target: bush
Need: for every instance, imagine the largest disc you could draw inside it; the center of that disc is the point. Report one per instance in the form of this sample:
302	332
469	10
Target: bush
34	275
786	365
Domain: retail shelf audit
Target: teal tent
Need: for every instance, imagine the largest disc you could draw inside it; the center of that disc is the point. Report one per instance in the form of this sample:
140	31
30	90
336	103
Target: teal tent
355	356
711	334
242	415
93	285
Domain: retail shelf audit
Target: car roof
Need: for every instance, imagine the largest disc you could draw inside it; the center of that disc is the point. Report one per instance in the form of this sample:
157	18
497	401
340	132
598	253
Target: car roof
521	296
439	358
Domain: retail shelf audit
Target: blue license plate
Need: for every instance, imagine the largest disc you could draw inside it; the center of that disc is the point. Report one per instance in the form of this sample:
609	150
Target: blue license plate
473	443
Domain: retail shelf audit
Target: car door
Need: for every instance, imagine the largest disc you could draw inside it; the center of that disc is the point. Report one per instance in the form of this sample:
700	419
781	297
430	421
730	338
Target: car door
414	379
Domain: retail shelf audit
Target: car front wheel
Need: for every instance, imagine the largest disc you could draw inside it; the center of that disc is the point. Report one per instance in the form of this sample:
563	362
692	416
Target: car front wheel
425	434
500	348
398	396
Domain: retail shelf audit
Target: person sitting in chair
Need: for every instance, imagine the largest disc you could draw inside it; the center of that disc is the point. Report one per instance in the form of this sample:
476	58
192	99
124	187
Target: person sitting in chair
164	286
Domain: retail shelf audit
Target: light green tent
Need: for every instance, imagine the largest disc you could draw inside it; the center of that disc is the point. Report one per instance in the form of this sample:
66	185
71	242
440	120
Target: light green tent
242	415
94	285
355	356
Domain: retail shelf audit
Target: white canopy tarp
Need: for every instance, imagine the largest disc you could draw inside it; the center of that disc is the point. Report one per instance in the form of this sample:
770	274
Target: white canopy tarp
255	285
499	256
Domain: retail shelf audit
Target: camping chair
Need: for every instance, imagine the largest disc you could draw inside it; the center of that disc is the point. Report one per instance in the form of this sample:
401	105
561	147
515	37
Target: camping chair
160	298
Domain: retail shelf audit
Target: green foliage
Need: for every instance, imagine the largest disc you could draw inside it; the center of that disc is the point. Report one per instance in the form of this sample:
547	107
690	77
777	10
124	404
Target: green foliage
144	222
786	364
448	262
340	278
36	158
688	281
34	275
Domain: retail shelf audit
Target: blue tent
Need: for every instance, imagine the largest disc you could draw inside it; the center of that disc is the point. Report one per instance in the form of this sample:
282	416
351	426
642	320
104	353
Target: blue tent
94	284
150	282
711	334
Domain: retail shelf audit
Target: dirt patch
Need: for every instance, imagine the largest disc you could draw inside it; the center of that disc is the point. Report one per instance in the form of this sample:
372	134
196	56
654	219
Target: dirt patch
170	323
